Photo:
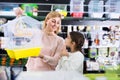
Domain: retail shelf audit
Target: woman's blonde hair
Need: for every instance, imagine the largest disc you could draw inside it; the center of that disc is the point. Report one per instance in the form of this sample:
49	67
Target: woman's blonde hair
52	14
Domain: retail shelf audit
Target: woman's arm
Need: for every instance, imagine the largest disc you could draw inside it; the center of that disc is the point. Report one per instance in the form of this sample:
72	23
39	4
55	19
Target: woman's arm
53	60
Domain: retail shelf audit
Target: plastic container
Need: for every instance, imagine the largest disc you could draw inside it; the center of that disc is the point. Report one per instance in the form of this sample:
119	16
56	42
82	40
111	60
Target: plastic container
62	9
77	8
95	8
6	9
30	9
23	53
112	8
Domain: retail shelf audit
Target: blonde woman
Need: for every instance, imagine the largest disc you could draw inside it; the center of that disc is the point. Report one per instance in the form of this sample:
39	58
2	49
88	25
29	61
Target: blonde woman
52	45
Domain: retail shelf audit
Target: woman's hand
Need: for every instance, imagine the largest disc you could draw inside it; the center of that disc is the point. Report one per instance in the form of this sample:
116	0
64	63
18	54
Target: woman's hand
43	52
41	56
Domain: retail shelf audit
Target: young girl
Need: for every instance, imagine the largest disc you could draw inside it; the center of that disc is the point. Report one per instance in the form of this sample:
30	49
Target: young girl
72	61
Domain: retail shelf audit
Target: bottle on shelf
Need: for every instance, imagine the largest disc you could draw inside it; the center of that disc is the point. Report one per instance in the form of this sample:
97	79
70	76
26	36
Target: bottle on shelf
74	28
93	52
69	29
12	60
85	43
3	61
96	40
89	38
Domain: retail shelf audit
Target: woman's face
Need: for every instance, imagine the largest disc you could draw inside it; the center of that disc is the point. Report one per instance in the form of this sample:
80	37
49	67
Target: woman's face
53	24
68	41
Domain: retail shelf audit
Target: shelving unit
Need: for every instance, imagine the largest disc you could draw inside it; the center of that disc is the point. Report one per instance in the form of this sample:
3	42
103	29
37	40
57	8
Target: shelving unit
47	6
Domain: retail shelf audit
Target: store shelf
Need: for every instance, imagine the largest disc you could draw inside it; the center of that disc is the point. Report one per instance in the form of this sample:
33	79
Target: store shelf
93	19
47	6
105	46
40	18
38	1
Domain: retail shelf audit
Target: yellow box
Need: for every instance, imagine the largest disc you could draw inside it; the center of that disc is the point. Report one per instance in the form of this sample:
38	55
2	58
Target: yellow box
23	53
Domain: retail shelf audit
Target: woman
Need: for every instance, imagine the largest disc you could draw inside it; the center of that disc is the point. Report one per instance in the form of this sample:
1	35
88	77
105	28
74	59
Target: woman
51	43
74	60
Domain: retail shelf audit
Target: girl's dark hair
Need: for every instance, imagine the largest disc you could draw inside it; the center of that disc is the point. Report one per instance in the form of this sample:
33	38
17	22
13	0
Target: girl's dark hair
78	38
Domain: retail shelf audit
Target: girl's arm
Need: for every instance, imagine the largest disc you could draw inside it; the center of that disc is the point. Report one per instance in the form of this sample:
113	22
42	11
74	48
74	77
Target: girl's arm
72	64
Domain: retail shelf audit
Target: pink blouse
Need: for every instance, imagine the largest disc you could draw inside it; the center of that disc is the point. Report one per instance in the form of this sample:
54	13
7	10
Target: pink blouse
52	47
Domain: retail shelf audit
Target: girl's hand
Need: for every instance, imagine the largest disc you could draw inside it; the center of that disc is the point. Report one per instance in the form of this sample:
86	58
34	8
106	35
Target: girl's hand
64	52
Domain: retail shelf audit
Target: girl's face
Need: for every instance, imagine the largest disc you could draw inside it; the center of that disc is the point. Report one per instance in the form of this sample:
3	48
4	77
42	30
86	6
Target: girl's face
53	24
68	41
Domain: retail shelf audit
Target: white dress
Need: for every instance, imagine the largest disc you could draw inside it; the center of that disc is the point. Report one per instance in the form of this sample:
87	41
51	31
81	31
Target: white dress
72	63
